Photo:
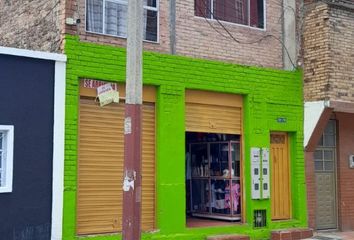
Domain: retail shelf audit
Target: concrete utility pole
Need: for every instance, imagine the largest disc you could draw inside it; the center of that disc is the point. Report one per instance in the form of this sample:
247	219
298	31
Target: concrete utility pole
132	124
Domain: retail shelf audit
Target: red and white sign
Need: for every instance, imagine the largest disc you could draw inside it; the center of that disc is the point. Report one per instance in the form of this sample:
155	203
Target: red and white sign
89	83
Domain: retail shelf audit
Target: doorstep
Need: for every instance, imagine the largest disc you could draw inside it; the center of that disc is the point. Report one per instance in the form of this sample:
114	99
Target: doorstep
228	237
292	234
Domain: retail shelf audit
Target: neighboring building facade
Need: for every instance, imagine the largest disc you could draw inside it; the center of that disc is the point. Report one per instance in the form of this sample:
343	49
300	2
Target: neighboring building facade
222	121
35	25
329	113
31	144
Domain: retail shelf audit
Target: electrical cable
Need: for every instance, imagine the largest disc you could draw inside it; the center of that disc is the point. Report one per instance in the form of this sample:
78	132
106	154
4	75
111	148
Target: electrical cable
235	39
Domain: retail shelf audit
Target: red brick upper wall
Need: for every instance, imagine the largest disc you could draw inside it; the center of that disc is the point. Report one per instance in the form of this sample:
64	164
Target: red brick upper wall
195	37
198	38
345	174
76	8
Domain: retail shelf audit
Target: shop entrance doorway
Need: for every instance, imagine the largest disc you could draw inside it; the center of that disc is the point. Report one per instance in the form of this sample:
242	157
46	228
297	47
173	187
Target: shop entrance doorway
213	176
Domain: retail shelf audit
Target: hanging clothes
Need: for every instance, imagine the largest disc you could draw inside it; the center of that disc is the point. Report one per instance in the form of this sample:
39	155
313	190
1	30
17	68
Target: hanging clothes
235	195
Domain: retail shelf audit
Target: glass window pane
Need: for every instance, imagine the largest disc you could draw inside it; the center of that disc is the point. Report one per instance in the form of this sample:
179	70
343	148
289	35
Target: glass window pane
150	25
329	140
236	197
330	128
318	165
318	155
1	137
219	156
94	16
202	8
231	11
150	3
220	189
328	155
320	142
200	196
328	166
235	158
199	160
116	19
256	13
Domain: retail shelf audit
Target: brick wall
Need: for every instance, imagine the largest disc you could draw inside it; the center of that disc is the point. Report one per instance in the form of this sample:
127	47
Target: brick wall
345	174
311	189
76	9
196	38
328	52
342	53
316	52
31	24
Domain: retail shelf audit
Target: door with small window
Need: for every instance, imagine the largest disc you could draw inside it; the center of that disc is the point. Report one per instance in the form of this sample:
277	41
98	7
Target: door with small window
325	177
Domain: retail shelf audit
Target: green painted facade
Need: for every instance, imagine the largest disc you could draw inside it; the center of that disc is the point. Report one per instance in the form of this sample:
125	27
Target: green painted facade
268	94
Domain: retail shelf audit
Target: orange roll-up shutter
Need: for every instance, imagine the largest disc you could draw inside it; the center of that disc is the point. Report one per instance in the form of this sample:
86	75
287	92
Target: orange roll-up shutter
100	168
213	112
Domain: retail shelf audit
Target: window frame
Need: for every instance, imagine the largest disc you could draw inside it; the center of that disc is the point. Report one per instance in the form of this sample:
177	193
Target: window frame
7	158
125	2
237	24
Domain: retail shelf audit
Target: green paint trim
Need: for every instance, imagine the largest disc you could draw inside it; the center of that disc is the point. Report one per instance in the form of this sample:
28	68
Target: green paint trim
268	94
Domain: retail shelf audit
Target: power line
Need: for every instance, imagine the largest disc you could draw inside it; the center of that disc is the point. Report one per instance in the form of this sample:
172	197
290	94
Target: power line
235	39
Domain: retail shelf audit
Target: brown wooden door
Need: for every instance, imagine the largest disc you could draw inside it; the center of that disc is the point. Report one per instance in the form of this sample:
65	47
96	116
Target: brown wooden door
280	175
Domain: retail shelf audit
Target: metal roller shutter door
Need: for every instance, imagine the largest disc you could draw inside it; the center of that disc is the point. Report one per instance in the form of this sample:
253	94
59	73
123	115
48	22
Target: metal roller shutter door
213	112
100	168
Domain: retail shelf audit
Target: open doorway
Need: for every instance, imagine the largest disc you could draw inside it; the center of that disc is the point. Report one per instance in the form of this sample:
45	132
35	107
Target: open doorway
213	179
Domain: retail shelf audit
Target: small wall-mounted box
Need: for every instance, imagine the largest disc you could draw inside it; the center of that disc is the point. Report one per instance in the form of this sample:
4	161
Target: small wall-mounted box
72	21
351	161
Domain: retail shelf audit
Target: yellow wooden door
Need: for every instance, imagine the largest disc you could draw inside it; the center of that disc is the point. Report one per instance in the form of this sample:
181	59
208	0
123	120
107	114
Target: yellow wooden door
280	190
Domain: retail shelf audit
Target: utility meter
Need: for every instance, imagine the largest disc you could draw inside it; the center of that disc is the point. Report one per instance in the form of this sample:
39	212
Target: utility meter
265	173
256	173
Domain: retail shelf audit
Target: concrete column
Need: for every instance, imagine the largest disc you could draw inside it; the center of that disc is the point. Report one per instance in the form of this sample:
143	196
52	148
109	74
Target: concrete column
289	34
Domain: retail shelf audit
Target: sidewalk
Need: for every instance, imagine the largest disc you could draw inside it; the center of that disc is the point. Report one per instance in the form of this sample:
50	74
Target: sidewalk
333	236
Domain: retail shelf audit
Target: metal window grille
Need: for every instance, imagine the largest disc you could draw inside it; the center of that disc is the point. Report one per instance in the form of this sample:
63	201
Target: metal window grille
109	17
260	218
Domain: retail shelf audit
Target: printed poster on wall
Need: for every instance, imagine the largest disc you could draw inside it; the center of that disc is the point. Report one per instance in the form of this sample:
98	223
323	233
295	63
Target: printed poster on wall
107	95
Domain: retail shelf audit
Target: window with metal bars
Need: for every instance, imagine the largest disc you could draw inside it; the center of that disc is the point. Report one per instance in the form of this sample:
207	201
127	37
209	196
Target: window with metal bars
245	12
110	17
6	158
260	218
